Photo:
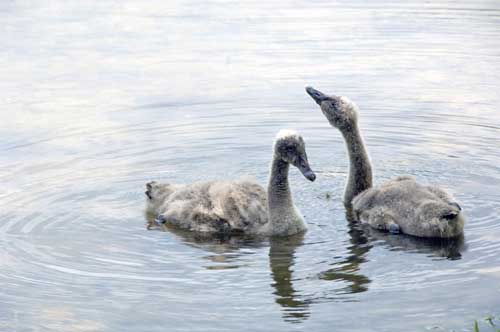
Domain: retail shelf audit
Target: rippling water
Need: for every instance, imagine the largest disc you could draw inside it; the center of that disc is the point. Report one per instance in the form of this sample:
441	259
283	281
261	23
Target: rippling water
98	98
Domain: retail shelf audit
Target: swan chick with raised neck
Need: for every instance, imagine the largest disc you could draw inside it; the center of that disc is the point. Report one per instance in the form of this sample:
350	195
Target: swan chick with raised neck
239	206
399	206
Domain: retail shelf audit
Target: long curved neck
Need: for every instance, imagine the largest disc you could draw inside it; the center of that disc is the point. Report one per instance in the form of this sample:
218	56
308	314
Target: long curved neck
279	196
360	170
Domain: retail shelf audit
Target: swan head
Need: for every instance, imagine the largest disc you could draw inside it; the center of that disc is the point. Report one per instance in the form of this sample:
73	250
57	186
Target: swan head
289	146
341	112
441	219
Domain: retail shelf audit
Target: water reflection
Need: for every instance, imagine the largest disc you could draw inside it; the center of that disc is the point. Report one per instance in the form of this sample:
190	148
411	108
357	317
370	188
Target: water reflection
281	261
434	247
441	248
225	250
347	270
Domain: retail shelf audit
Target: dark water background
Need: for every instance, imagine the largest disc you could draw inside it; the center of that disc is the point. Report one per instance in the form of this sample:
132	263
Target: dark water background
99	97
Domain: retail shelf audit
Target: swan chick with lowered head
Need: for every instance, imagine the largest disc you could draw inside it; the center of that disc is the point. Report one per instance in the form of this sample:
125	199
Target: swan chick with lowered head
239	206
401	205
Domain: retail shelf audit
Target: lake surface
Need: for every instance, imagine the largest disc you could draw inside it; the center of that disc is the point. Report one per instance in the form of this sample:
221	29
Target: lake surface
99	97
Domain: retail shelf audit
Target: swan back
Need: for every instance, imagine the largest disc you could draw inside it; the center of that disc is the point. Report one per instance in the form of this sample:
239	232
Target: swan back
419	210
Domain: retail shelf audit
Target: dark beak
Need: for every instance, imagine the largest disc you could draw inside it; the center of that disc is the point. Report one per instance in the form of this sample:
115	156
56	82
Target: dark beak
305	169
316	95
309	175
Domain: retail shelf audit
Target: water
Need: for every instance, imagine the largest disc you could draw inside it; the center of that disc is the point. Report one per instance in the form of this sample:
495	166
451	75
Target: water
97	98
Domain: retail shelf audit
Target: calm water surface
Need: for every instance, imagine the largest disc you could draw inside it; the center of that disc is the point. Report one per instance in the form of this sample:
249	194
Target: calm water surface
99	97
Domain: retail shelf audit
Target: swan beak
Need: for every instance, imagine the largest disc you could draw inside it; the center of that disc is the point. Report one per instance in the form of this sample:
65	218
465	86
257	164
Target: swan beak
303	165
318	96
307	172
309	175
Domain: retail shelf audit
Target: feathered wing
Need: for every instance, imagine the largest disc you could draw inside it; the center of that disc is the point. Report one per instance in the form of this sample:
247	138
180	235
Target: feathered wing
416	209
217	207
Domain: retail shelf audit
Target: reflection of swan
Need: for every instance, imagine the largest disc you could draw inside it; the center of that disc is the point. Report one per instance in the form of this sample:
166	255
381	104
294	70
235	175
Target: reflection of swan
435	247
348	268
363	238
240	206
400	205
226	248
281	261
